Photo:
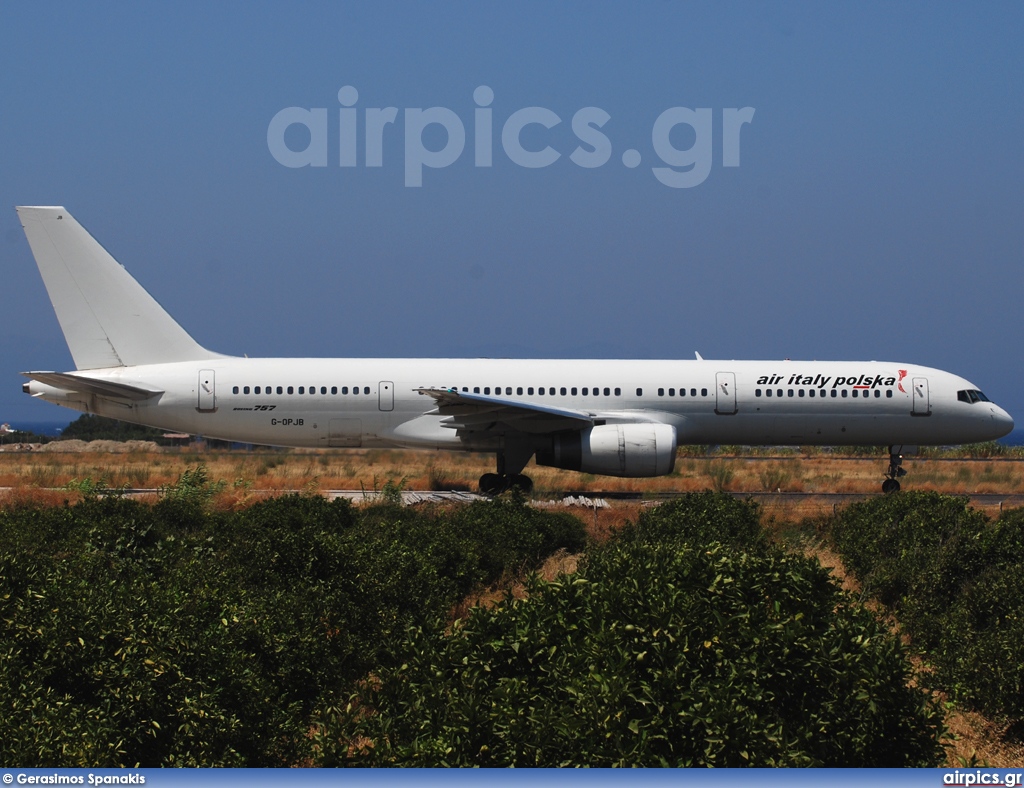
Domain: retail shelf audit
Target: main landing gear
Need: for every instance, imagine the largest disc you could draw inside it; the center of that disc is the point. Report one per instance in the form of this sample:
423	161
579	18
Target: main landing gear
510	472
896	470
497	483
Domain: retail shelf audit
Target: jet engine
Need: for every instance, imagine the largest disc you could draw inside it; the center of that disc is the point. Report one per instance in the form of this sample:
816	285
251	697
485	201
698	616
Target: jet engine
613	450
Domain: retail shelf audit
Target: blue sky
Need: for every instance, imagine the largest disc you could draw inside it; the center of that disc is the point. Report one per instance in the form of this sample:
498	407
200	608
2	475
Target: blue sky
875	212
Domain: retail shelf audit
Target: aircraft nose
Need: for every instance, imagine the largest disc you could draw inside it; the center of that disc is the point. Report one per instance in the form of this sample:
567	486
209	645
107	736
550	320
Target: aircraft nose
1003	419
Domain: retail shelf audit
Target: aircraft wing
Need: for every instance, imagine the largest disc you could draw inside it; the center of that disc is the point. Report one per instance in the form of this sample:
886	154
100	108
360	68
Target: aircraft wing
481	413
69	381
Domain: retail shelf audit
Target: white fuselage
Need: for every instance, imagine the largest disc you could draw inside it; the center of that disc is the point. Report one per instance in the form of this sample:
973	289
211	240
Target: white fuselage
375	403
621	418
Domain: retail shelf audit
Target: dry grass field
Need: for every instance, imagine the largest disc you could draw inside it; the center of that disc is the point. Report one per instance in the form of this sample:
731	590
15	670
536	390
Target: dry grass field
143	465
51	473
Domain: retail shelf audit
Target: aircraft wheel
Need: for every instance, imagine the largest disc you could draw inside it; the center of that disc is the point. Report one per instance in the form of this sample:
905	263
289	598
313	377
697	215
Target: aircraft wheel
523	483
493	484
890	486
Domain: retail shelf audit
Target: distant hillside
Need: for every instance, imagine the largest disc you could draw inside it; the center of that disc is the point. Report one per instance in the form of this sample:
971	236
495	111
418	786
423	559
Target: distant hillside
95	428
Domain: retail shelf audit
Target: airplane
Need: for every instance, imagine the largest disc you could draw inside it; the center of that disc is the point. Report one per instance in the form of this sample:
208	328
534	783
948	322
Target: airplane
605	417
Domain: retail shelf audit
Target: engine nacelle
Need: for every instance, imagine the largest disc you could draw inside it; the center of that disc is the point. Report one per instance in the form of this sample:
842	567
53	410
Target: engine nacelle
613	450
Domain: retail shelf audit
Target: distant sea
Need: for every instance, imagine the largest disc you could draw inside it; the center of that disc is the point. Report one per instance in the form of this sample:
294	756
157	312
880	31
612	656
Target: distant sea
1015	438
51	428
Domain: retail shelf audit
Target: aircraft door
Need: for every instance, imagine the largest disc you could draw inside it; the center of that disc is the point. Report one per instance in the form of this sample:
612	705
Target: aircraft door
386	395
725	393
207	391
922	403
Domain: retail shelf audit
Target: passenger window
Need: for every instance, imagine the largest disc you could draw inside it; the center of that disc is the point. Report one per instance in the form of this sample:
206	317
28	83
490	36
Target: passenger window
234	390
606	392
280	390
476	389
661	392
639	392
530	391
888	393
768	392
693	392
778	392
519	390
334	389
834	394
790	392
291	390
844	393
618	392
508	390
573	392
563	391
811	393
800	392
877	393
585	390
671	392
256	390
757	392
487	389
302	390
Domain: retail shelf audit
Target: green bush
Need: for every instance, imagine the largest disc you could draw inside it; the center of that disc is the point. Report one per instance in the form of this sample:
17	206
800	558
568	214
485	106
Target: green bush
173	635
685	641
955	581
912	552
700	519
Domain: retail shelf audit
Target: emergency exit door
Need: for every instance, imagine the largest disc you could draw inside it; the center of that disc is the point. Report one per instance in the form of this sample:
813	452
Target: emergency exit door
207	391
922	403
725	393
386	395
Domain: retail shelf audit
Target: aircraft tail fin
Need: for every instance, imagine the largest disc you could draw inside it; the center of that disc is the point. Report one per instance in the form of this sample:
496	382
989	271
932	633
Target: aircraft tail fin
108	318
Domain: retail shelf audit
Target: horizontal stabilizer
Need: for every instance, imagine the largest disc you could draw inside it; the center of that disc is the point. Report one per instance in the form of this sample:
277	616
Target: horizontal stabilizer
80	384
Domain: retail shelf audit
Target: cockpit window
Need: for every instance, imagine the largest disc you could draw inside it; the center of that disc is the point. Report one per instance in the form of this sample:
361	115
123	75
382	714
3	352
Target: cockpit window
971	396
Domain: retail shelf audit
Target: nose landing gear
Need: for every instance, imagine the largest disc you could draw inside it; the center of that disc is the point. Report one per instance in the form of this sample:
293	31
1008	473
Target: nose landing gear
895	472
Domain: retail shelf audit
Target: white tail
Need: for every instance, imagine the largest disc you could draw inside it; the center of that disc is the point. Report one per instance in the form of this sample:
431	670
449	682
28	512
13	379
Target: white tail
108	319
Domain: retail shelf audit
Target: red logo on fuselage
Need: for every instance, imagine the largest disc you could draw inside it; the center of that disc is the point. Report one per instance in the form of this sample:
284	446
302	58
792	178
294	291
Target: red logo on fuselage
899	383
